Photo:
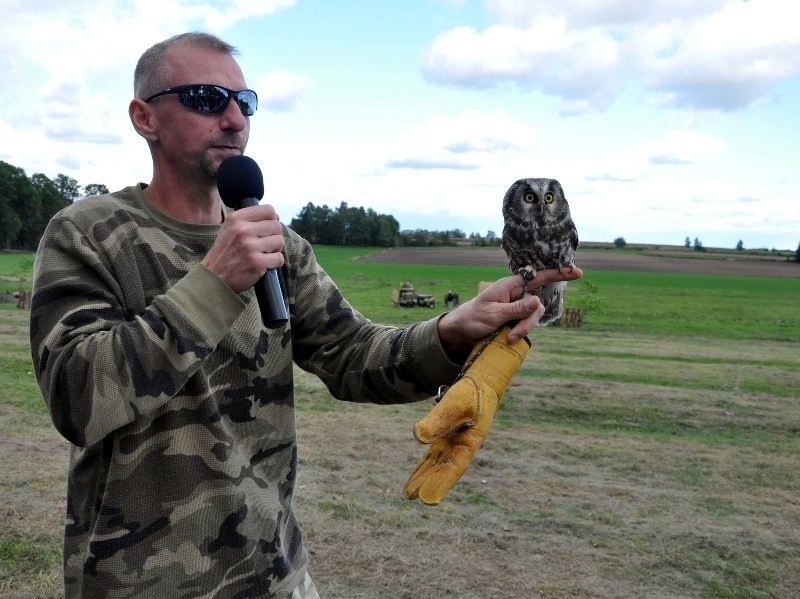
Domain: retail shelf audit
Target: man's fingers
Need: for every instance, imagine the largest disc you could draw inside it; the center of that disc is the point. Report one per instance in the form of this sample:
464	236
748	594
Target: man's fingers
554	275
256	213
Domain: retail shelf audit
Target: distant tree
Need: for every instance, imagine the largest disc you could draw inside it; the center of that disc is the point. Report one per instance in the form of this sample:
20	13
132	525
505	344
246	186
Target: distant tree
68	187
14	194
95	189
698	245
346	226
478	240
797	253
28	204
740	245
52	200
620	242
687	243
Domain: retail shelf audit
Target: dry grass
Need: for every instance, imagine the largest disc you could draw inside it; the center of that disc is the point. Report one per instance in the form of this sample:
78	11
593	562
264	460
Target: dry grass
551	510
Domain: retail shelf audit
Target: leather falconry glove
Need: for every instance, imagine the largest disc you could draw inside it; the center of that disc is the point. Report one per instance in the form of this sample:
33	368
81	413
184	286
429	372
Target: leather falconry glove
456	426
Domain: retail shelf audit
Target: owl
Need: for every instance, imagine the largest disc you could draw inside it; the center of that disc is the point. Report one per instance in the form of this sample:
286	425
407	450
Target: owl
539	233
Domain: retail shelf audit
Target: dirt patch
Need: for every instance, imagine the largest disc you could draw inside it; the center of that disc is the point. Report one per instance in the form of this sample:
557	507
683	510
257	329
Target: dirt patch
29	447
602	260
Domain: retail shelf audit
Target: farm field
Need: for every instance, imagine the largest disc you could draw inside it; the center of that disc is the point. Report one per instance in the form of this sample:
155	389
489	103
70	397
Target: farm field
652	452
649	259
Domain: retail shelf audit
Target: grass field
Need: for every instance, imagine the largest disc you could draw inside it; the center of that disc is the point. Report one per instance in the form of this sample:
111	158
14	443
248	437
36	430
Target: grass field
653	452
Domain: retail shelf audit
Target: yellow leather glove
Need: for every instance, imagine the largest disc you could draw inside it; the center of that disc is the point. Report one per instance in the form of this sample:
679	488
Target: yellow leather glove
456	427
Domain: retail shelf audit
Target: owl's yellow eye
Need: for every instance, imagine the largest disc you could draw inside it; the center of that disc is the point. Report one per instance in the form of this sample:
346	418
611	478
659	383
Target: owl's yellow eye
529	197
548	198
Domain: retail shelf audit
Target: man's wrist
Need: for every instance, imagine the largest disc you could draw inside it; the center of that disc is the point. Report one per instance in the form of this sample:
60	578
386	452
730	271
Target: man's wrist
454	342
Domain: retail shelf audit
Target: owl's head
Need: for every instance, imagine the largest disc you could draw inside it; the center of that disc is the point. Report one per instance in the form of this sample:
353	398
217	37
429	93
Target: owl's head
536	200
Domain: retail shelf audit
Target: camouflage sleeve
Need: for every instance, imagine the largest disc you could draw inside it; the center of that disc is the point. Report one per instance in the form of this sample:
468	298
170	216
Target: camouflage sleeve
359	360
104	353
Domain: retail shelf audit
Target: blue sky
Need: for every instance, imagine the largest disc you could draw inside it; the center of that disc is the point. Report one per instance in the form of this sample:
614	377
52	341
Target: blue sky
662	120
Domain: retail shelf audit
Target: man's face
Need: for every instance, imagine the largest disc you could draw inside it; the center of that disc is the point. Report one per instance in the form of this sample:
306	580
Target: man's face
193	142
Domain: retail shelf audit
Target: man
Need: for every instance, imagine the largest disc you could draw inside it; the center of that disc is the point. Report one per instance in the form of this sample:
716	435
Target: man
151	355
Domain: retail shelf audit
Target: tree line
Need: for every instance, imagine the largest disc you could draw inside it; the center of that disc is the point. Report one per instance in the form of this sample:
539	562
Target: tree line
353	226
346	226
28	203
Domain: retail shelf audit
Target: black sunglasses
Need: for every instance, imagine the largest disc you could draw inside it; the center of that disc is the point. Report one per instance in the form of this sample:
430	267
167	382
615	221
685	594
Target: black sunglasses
205	97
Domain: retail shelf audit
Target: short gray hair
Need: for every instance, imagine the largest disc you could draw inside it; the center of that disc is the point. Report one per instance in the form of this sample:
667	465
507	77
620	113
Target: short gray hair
151	74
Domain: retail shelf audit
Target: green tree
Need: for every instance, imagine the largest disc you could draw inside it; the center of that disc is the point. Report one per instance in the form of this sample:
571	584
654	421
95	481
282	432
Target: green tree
28	204
68	187
14	191
386	231
346	226
305	223
740	245
28	207
52	200
620	242
95	189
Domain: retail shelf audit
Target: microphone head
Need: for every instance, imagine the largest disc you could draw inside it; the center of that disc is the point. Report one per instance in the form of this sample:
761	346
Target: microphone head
238	178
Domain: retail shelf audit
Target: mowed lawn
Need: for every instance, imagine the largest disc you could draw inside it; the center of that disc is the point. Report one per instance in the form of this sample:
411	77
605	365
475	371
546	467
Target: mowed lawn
652	452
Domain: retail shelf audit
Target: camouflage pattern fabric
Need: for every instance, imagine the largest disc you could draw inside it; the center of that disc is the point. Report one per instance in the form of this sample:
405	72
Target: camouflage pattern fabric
179	404
305	590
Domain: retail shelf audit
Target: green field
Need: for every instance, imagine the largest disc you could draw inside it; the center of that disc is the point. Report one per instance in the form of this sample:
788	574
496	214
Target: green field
652	452
709	306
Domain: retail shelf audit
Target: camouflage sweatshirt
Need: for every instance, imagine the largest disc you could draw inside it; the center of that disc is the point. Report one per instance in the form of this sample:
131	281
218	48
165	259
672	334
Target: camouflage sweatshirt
179	404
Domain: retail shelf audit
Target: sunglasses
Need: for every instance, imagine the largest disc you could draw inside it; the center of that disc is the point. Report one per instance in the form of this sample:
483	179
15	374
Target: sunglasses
212	98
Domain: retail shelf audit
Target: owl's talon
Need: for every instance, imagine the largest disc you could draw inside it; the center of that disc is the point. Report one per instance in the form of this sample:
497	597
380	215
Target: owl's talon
571	267
528	273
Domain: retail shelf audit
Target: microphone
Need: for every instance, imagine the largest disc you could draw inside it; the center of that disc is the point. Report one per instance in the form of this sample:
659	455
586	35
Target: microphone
241	185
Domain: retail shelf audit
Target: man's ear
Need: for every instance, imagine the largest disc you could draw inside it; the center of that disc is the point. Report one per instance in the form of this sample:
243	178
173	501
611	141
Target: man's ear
143	119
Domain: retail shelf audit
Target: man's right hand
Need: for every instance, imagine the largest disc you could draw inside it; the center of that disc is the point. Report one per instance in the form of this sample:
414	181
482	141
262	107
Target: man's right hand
249	243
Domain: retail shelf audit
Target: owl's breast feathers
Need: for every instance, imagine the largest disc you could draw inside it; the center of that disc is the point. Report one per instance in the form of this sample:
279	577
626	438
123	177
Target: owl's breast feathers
540	245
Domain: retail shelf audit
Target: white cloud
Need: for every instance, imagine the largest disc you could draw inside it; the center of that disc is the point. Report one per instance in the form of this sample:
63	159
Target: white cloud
281	90
220	16
602	13
727	60
464	142
545	55
684	147
674	147
712	54
73	52
63	71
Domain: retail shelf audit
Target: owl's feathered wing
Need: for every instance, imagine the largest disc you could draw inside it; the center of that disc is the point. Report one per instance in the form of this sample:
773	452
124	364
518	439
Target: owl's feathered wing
535	239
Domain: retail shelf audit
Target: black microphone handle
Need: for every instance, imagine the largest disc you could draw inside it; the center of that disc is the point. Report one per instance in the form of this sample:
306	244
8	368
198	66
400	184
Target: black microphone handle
269	290
269	293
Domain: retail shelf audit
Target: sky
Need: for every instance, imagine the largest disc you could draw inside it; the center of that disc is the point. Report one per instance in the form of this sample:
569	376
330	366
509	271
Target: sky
662	119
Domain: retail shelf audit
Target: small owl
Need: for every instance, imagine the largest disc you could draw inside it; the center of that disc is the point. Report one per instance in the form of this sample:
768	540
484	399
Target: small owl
539	233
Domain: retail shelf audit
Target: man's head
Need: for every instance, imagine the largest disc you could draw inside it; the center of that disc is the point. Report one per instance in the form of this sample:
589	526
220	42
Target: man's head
192	129
152	72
